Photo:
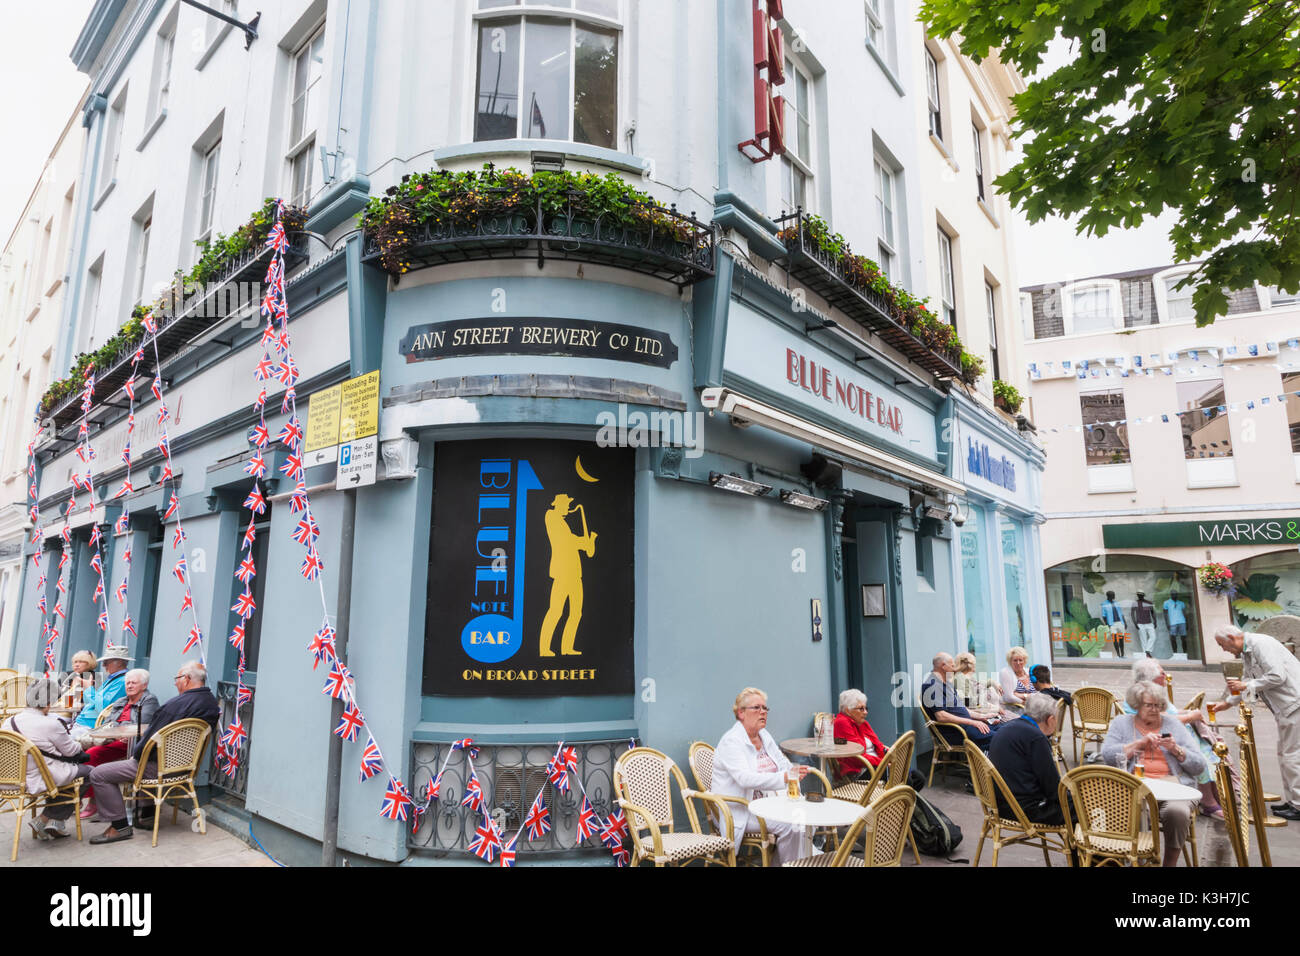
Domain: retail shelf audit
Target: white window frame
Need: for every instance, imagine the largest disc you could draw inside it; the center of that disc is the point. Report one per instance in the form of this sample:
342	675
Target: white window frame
1067	304
116	119
304	148
142	256
886	183
164	61
791	161
1267	298
1160	283
947	278
977	135
876	23
94	293
208	191
1027	316
991	305
933	95
518	12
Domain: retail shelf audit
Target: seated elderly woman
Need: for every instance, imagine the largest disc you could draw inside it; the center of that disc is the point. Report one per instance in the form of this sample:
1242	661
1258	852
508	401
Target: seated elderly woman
1165	748
1017	685
1150	669
81	682
851	725
747	762
137	706
63	758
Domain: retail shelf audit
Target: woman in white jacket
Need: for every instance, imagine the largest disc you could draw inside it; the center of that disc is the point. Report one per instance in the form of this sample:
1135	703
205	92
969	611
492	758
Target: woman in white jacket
50	735
747	762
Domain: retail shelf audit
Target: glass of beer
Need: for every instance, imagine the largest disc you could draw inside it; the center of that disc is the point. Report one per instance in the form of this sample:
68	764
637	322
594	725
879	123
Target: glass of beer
1139	771
1213	714
792	784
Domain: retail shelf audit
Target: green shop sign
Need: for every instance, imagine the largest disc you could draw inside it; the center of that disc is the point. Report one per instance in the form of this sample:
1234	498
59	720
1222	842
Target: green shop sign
1174	534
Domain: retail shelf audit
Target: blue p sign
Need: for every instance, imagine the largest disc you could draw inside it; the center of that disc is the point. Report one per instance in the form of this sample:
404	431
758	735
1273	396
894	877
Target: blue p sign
345	455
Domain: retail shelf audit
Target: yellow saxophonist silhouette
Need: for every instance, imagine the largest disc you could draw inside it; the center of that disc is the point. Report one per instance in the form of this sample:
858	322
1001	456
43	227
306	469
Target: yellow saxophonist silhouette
566	573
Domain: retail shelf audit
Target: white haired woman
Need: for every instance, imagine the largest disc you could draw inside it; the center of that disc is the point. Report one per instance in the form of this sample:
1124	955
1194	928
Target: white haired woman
851	725
1165	748
137	707
81	682
747	762
63	757
1017	685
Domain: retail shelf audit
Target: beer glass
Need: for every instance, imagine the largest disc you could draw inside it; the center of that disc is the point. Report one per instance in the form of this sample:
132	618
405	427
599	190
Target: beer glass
792	784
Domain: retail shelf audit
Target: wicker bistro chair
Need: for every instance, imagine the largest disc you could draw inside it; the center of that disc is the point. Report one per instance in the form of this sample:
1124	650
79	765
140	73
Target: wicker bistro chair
1055	738
701	760
178	751
102	719
1253	805
13	694
15	751
1091	714
884	826
1109	806
643	781
891	771
988	783
945	752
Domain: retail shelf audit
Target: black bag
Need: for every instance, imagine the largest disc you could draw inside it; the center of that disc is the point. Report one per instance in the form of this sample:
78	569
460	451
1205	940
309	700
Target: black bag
934	833
916	780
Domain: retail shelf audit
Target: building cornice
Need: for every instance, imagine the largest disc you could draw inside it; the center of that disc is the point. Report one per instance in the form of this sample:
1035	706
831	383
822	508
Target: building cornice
103	15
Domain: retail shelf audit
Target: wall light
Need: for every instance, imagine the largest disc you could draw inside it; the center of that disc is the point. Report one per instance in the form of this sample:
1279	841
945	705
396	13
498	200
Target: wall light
737	484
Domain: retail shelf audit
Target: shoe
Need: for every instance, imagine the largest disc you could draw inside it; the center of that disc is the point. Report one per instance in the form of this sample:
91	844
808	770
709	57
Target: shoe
54	830
89	812
1215	814
38	828
1287	812
1279	806
113	835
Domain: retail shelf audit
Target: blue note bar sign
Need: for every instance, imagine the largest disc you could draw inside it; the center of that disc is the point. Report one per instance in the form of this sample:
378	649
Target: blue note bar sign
980	462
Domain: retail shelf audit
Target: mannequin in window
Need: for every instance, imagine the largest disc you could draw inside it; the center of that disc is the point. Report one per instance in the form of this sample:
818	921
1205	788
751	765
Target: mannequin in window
1114	618
1176	618
1144	616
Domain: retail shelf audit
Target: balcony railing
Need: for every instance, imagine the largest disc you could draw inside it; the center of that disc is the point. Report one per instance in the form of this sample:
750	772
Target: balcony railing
660	242
825	273
237	286
236	786
511	776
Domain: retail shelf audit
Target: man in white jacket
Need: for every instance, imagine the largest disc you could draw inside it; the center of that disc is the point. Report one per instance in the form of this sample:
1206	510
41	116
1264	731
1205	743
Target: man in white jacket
50	736
747	762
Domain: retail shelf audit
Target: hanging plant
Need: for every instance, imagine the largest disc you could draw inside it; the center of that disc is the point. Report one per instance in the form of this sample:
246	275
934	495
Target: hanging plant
1217	579
1007	397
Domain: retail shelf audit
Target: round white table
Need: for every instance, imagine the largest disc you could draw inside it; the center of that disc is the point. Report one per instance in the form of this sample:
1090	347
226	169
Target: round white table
1164	789
805	813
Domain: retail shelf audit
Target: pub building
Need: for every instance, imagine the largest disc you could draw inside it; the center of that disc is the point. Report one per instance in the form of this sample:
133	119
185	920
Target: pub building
620	476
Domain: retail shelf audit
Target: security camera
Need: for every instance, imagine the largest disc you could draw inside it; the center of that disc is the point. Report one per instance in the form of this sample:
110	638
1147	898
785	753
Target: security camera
956	517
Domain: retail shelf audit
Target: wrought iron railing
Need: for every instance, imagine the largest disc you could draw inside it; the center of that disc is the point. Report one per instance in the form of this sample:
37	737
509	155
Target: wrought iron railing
641	236
824	273
238	285
511	776
236	786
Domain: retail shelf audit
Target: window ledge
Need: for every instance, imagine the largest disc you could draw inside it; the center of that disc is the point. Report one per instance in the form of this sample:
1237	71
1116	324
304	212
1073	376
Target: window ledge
580	152
104	195
54	287
989	212
150	130
885	67
212	47
938	144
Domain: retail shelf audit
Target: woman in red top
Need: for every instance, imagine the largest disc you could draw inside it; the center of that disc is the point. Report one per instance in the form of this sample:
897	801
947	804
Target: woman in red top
851	725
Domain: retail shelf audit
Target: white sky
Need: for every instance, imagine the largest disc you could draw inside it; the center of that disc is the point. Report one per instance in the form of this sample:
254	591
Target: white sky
41	87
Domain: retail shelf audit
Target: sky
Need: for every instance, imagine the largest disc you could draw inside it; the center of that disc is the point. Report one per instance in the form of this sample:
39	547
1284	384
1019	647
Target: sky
42	89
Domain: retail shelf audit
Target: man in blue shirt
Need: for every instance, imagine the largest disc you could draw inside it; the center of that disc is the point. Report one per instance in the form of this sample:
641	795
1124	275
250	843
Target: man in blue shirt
1176	618
1114	618
941	704
1022	753
109	692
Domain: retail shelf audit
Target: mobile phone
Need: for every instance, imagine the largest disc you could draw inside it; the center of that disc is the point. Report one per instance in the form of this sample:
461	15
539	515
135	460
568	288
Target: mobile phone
1166	735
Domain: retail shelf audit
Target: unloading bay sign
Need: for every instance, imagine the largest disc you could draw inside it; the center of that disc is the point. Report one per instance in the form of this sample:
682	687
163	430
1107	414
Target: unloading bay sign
343	426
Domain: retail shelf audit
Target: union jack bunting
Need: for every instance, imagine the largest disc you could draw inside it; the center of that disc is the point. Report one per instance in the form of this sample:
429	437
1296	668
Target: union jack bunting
103	620
569	756
256	466
164	446
338	680
322	645
260	401
156	388
311	565
432	787
396	801
538	820
508	852
195	636
128	627
557	775
243	695
179	570
172	504
237	637
247	570
287	371
292	467
265	369
350	724
282	341
291	434
166	475
187	602
126	455
279	240
178	536
96	536
487	841
99	590
162	414
267	307
244	605
97	563
588	820
298	500
129	388
261	435
307	530
372	761
236	734
473	793
611	834
64	558
290	397
621	856
268	333
250	534
255	501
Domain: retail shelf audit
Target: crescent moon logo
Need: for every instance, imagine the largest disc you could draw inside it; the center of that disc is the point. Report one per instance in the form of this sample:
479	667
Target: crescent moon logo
582	472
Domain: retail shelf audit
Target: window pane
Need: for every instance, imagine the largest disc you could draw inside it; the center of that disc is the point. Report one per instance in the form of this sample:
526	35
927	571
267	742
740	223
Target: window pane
801	100
595	78
1105	441
546	80
488	4
549	3
1204	419
1277	298
1092	312
1179	301
886	262
497	116
302	164
602	8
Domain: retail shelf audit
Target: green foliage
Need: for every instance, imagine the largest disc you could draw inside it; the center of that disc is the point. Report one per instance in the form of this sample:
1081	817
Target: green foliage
1167	104
1008	396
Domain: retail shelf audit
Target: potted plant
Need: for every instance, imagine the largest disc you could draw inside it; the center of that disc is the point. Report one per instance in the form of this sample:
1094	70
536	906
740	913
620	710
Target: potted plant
1007	397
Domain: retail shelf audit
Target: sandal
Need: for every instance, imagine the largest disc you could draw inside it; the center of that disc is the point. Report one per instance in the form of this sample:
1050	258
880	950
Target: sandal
1215	814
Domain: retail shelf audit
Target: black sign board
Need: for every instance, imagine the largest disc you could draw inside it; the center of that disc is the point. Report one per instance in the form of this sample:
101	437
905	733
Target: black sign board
500	335
530	570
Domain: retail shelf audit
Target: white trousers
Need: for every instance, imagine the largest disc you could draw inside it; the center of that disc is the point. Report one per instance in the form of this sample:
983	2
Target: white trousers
792	842
1147	635
1288	755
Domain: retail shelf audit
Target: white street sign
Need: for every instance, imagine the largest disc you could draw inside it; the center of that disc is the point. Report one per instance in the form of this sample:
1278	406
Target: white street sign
358	463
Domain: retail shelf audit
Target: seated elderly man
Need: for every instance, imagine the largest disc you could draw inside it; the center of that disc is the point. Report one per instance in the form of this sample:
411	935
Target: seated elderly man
851	725
941	704
137	707
63	757
1022	753
1165	748
193	700
746	762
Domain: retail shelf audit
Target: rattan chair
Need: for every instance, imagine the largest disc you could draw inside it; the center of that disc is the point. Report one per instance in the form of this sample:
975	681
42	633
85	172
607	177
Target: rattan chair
1090	716
102	719
1247	714
988	783
701	760
1233	803
6	673
883	825
643	781
1109	806
944	752
1196	702
891	772
15	751
1055	738
1253	807
178	751
13	694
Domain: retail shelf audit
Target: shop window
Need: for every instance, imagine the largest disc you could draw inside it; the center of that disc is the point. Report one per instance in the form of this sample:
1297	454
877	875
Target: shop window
549	78
1105	440
1077	589
1205	419
1013	576
974	575
1267	586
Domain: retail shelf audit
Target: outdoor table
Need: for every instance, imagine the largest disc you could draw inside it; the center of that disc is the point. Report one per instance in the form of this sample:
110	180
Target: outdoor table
808	747
804	813
1164	790
115	732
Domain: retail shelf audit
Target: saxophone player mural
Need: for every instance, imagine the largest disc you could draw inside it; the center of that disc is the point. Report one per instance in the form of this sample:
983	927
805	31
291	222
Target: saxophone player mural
566	573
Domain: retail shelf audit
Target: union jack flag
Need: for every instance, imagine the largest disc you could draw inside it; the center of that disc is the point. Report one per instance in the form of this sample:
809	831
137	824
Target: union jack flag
187	602
103	620
156	388
311	565
138	357
64	557
307	530
278	240
96	561
235	734
232	765
96	536
255	501
538	820
569	757
557	775
350	724
162	415
71	506
322	645
99	590
261	435
178	536
269	302
247	570
41	605
250	534
508	852
149	325
292	467
172	505
237	637
338	679
121	591
195	636
256	466
282	341
129	388
588	820
265	369
372	761
432	787
128	626
260	401
289	397
126	455
487	841
473	793
165	446
243	695
244	605
126	489
268	333
621	856
179	570
166	473
298	500
291	434
287	371
396	800
611	834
